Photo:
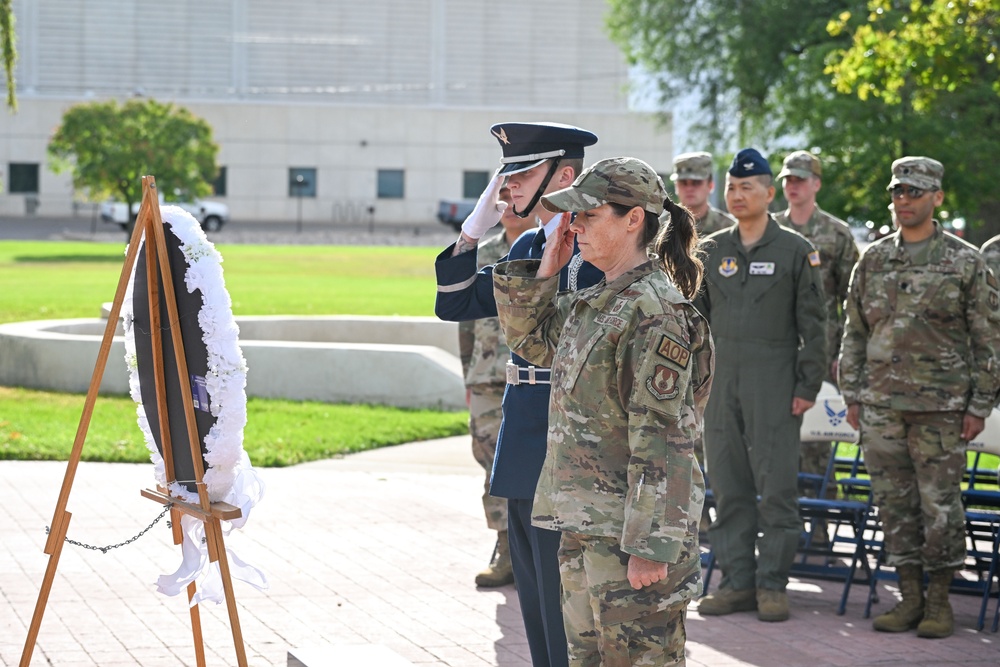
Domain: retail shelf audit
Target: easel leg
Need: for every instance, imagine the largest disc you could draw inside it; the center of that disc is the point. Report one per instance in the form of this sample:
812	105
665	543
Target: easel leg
58	539
195	610
199	644
213	530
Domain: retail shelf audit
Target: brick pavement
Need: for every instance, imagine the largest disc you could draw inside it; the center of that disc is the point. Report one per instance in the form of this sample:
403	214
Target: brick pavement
372	552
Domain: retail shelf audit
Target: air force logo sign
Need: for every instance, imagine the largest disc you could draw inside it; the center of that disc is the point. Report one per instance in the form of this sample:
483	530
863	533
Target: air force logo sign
728	267
836	416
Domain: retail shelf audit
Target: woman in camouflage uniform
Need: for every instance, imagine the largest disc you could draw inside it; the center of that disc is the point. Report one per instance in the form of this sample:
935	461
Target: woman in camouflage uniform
632	362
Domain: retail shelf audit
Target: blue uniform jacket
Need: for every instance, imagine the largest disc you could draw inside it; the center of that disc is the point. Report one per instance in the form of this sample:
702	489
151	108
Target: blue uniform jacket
468	295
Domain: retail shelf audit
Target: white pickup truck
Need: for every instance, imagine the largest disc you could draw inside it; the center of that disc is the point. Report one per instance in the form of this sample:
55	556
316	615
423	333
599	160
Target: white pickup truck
212	215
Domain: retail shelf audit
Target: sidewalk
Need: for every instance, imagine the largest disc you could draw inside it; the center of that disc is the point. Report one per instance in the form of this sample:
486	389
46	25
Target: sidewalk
372	554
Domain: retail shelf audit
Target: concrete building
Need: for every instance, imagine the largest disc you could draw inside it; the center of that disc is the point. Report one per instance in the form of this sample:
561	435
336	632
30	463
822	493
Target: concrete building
382	107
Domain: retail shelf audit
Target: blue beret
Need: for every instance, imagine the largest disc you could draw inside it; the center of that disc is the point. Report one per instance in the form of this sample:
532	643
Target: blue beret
527	145
748	162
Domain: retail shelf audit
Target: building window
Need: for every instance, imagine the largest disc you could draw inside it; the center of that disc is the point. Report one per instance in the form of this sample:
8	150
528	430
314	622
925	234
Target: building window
390	184
219	184
23	178
474	183
302	182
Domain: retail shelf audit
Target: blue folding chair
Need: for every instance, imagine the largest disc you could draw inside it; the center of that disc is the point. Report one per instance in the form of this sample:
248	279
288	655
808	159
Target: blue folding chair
982	528
849	519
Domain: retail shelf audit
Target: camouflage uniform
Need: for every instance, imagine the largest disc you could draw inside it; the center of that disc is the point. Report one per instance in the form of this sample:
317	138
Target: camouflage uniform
768	318
713	221
838	253
919	351
484	357
991	253
631	372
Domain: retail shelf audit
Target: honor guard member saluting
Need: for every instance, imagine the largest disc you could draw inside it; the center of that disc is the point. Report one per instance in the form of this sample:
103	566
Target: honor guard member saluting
919	373
801	176
537	158
631	371
694	181
485	355
763	297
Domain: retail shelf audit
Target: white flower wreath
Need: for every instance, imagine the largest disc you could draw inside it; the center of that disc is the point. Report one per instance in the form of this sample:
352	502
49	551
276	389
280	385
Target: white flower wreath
230	477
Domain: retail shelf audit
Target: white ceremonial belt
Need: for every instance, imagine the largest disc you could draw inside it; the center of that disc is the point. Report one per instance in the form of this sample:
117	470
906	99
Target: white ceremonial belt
527	375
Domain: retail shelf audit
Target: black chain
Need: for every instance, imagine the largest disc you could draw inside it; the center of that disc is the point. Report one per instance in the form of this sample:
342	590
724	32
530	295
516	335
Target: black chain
104	550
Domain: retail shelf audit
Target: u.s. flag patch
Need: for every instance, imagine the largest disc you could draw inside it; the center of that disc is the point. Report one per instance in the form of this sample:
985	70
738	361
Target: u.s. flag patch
814	258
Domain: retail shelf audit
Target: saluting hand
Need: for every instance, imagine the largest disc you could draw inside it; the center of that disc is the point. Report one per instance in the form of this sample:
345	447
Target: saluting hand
558	249
642	572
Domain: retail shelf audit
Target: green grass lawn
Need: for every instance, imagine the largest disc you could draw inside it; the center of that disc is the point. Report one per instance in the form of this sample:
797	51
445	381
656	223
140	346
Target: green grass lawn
39	425
55	280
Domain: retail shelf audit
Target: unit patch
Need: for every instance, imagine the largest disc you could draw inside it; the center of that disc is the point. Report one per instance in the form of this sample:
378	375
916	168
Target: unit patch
674	351
814	258
728	267
663	383
611	321
761	268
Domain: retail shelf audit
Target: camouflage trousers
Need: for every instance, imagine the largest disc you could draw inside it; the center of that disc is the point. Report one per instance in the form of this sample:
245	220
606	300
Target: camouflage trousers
916	461
484	426
610	624
814	458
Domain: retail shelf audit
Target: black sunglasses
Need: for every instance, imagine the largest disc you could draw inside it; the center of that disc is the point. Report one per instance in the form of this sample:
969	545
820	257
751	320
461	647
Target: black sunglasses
897	191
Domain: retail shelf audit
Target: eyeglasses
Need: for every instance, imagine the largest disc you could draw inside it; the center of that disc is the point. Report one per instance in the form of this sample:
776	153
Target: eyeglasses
898	191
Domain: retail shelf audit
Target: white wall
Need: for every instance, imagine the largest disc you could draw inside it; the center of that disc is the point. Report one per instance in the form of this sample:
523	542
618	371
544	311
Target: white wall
342	86
346	144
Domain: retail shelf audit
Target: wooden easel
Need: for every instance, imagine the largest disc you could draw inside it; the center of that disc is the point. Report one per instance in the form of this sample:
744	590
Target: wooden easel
209	513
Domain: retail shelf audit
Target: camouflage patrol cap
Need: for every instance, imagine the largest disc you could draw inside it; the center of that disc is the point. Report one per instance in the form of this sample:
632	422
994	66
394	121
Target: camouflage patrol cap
695	166
620	180
919	171
802	164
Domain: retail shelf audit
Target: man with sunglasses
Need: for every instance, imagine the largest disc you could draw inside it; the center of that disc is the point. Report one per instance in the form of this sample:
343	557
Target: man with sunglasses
919	373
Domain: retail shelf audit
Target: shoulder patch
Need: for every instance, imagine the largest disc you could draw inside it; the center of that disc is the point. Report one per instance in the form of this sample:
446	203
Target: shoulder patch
814	258
663	383
674	351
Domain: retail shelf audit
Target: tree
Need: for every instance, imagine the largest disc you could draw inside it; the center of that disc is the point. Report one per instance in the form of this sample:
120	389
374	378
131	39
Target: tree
938	64
110	146
806	75
7	49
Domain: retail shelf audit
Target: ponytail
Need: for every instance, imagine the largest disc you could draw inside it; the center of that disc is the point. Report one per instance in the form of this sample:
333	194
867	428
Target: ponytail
679	249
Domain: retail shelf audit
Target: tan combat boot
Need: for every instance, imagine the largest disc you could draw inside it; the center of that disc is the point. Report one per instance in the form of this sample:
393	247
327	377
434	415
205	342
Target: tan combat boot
938	620
728	601
499	572
907	614
772	605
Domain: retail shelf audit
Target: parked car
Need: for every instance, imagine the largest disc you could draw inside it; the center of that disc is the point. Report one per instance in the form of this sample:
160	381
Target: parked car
210	214
453	212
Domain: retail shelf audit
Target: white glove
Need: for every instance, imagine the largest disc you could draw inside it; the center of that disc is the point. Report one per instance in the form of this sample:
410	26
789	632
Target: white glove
487	212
